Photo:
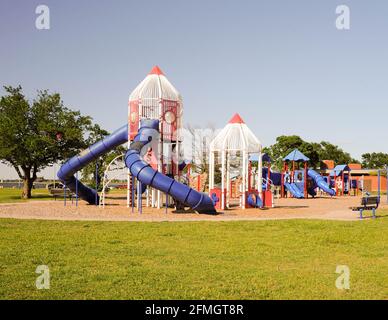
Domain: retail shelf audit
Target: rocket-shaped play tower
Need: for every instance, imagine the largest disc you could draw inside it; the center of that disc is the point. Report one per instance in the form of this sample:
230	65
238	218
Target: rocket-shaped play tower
234	143
155	98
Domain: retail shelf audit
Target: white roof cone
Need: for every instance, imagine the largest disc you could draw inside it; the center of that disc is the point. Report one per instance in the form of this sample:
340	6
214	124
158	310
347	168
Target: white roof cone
236	136
155	86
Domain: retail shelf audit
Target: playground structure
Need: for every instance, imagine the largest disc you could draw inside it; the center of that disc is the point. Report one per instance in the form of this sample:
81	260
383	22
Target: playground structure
156	98
234	144
299	180
353	180
340	179
154	162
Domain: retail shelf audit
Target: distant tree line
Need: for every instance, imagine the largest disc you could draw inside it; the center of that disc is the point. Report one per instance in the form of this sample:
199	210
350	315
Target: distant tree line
315	151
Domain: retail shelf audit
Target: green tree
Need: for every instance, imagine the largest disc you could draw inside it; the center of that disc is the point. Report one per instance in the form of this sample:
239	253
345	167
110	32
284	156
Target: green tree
329	151
374	160
89	172
37	134
285	144
316	152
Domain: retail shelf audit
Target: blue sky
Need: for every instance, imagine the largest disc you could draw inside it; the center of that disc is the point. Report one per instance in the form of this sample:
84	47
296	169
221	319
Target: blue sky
281	64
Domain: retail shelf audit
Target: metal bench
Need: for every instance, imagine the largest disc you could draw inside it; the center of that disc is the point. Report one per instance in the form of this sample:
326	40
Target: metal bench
60	193
368	203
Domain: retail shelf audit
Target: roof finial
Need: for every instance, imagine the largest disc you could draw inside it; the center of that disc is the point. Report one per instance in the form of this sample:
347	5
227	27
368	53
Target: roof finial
236	119
156	70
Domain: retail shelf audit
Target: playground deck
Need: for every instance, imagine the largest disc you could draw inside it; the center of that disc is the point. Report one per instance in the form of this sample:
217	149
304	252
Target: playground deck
319	208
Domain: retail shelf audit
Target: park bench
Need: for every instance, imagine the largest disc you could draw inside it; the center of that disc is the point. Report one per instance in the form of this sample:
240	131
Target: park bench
60	193
368	203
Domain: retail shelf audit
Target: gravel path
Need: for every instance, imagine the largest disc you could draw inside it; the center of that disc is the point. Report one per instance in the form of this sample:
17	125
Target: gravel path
115	210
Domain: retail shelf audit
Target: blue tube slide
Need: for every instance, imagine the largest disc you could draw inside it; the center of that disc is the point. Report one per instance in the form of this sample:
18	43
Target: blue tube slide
76	163
292	187
255	201
199	202
321	183
310	191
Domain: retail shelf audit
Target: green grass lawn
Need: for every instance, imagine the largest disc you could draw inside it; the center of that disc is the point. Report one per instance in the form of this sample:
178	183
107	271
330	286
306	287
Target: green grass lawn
9	195
14	195
194	260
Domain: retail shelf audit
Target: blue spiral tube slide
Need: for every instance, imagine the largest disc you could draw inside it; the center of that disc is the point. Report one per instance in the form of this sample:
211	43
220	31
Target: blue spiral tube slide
320	182
76	163
144	173
293	188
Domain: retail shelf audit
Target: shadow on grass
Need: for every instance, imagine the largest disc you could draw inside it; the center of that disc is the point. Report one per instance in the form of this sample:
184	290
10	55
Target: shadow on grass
378	215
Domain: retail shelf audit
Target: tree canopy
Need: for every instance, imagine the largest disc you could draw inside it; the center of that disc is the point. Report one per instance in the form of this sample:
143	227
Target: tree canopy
374	160
317	152
38	134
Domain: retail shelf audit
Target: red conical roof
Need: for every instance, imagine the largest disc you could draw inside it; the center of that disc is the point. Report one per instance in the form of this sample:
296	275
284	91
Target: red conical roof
236	119
156	70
